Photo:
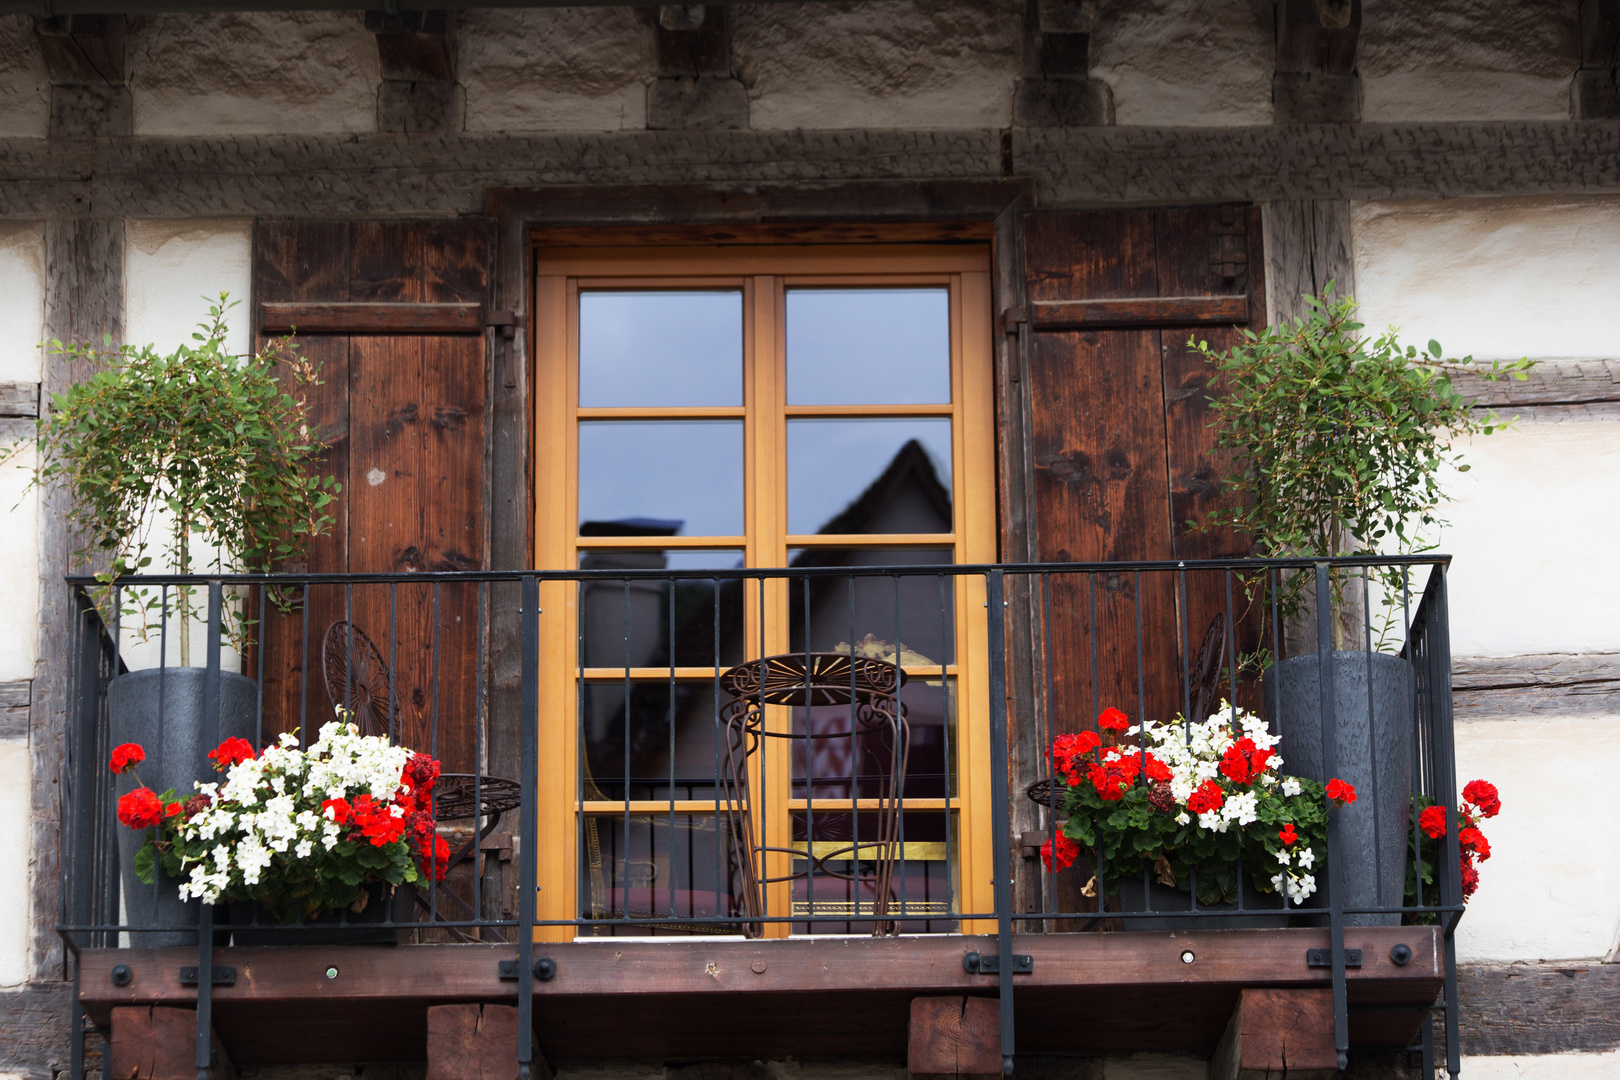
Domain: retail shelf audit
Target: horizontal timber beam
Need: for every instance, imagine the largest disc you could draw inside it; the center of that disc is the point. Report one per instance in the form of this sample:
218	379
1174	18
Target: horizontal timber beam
384	175
161	7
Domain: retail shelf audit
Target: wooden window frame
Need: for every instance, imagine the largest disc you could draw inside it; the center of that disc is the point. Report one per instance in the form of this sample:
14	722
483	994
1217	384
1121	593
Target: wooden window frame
764	272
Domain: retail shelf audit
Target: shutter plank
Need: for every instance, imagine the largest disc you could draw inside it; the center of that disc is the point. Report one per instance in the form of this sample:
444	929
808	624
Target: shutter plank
1147	311
371	318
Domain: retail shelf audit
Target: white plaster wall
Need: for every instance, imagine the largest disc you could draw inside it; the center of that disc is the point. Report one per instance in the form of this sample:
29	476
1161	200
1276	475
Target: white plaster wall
1551	888
1604	1066
553	69
1495	278
22	299
253	73
172	269
14	805
1466	60
25	101
886	64
1185	62
22	315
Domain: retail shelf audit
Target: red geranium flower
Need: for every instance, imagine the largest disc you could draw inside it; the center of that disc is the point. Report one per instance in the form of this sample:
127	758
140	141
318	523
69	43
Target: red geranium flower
433	857
1340	792
1470	878
1060	856
1483	795
336	810
1207	798
376	821
1433	822
1111	719
1157	770
142	809
229	752
423	772
1288	835
126	757
1112	777
1473	841
1244	761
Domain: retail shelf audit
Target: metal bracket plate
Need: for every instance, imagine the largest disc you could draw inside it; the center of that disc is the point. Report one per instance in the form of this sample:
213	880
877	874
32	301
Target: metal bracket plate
1323	958
223	975
990	964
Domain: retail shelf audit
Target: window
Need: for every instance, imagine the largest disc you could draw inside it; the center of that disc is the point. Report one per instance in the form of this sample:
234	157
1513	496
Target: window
763	407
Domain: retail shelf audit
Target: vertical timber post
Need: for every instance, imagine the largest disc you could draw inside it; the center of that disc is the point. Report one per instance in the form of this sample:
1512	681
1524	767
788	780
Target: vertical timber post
529	606
1327	672
205	917
1001	840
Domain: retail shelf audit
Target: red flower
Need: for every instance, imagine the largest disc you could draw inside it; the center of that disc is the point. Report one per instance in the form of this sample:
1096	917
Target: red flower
141	809
197	804
1433	822
1340	792
1113	776
1060	856
433	857
1157	770
229	752
1244	761
1473	841
1111	719
337	810
126	757
1483	795
174	809
1470	878
376	821
1288	835
1066	748
1207	798
422	771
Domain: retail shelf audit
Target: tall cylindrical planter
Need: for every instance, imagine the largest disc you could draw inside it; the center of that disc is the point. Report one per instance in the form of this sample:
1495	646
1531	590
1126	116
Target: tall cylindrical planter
162	709
1372	705
1167	898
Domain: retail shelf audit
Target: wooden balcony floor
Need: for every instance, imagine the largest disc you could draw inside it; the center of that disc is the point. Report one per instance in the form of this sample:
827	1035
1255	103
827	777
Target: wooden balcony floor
696	998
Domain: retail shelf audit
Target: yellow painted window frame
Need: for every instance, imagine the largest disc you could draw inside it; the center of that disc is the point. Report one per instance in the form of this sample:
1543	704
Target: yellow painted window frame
763	272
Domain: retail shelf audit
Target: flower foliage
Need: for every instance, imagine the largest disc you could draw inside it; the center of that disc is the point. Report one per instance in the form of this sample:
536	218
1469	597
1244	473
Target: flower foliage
299	831
1480	801
1191	799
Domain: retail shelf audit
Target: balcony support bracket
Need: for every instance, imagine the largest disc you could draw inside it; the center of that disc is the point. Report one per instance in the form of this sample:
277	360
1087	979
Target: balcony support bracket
990	964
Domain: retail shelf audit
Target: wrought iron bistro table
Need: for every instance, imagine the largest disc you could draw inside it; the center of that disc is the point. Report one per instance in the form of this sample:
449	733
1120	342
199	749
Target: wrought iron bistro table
870	688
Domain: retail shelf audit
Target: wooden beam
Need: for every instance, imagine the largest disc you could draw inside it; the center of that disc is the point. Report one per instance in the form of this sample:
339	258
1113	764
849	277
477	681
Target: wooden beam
19	399
361	318
1140	312
82	48
159	1042
812	232
476	1042
1278	1033
15	698
954	1037
1488	687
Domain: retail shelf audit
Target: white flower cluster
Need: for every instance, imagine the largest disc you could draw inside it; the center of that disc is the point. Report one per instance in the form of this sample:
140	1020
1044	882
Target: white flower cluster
1192	752
270	804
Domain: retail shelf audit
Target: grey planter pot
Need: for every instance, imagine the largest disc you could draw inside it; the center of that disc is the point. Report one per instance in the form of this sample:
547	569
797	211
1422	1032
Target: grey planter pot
332	928
1170	899
162	709
1372	706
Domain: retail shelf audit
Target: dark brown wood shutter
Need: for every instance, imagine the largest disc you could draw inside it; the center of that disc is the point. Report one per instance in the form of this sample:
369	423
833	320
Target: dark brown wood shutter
394	312
1123	455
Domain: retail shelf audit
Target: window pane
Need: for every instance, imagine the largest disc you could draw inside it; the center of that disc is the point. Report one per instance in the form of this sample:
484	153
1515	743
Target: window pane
644	869
660	348
631	623
914	614
661	477
920	894
868	347
869	476
628	752
829	763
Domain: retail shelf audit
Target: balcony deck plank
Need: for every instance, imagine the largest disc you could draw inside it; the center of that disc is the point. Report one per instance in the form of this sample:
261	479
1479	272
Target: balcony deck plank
629	998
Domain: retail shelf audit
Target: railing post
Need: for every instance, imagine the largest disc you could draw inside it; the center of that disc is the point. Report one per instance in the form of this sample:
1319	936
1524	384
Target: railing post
1326	682
1001	840
529	611
205	917
1438	631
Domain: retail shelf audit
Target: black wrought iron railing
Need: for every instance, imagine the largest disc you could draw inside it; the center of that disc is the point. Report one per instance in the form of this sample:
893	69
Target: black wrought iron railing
765	752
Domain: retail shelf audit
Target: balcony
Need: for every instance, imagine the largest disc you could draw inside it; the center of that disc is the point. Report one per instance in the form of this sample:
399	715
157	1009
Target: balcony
782	873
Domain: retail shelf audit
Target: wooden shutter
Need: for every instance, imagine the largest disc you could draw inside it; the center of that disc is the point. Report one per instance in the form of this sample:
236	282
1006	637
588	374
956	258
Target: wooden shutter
1123	455
394	312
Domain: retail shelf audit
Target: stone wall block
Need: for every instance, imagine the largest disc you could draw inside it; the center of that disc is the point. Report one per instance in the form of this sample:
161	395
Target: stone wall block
1063	103
90	110
696	104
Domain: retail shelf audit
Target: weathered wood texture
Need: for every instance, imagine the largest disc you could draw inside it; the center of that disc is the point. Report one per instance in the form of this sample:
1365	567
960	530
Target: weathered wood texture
1141	311
159	1042
716	999
1307	246
403	416
954	1036
34	1034
450	173
388	318
787	232
1555	391
476	1042
1315	81
84	300
1558	684
14	701
19	399
1538	1008
1278	1033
